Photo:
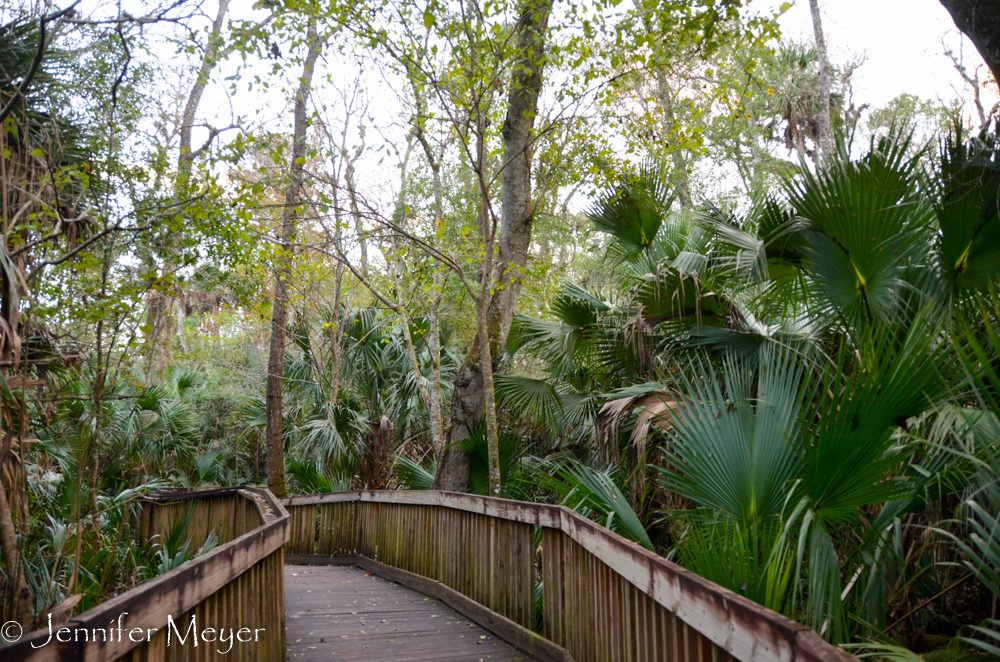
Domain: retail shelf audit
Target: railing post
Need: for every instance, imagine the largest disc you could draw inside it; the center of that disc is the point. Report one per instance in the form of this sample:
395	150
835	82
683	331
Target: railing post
604	599
238	584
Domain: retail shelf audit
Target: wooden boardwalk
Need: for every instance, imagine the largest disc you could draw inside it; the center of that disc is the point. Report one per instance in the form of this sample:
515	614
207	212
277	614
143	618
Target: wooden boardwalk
344	613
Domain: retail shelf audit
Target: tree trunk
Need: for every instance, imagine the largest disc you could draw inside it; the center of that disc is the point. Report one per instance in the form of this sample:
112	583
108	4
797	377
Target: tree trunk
160	313
336	333
397	266
518	135
434	334
21	603
335	336
823	119
434	345
979	20
468	400
283	274
10	349
667	118
489	394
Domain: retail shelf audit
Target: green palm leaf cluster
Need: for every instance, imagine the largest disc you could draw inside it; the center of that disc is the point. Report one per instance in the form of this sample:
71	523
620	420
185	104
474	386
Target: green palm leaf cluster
797	363
333	441
977	534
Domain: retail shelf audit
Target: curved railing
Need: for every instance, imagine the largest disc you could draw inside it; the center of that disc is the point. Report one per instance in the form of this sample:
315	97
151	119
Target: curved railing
233	595
603	598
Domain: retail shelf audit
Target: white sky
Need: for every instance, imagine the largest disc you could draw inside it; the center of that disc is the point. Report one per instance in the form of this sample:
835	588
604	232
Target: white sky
901	40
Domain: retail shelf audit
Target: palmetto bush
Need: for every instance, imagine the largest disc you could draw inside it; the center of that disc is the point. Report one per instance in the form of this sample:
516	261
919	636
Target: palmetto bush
354	439
790	376
97	454
146	430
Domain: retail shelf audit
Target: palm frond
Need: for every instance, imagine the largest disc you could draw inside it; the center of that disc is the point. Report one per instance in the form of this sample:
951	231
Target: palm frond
593	494
967	203
532	399
737	557
735	448
413	476
655	406
633	211
868	224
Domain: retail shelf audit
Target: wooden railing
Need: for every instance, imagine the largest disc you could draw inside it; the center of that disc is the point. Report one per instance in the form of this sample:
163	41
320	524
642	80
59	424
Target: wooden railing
234	594
224	511
604	599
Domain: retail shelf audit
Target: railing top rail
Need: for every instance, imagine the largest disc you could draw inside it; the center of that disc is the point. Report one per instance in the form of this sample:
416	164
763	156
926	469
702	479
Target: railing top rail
539	514
273	501
192	493
732	621
187	493
178	590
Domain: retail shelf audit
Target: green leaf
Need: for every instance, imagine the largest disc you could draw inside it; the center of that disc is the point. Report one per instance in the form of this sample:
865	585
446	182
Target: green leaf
737	443
593	494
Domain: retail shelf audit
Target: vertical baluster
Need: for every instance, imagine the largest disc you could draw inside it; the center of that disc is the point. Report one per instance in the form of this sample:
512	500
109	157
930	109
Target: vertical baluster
552	585
642	626
325	530
427	541
401	527
602	629
330	518
575	608
600	613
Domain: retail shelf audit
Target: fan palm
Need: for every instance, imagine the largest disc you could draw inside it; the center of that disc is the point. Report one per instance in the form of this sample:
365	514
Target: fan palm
334	441
592	493
978	349
968	244
806	444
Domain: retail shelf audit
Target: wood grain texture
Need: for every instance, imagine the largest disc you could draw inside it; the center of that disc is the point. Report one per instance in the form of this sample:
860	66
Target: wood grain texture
346	613
238	584
602	597
531	643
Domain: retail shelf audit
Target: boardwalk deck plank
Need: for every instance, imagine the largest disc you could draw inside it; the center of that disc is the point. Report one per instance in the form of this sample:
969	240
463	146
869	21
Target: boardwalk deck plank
345	614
